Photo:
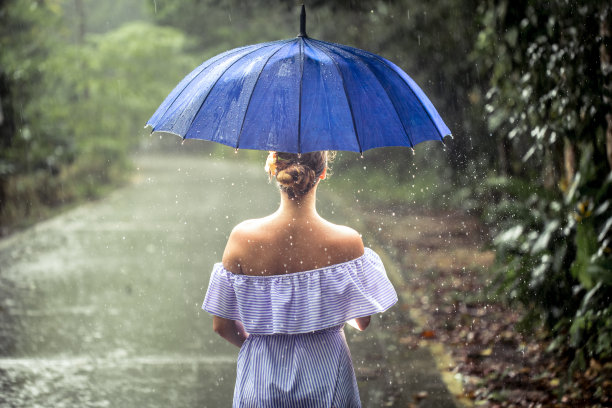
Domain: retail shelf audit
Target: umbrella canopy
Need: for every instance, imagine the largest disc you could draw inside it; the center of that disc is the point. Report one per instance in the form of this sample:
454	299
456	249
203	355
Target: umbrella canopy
297	96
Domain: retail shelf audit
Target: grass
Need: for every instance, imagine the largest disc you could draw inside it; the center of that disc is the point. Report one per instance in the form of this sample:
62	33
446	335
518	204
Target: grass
32	197
375	188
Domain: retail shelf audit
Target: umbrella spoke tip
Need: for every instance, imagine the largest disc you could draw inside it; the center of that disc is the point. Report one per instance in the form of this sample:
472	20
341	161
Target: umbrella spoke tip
303	22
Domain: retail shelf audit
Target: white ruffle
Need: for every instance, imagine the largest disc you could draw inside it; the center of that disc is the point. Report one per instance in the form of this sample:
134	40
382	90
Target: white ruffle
301	302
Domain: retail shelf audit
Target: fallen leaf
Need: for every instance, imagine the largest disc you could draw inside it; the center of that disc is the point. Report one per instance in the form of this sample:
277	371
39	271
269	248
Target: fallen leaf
420	395
428	334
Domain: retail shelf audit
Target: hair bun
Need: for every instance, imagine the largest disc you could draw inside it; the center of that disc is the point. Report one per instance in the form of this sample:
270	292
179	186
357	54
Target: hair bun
285	177
296	174
296	178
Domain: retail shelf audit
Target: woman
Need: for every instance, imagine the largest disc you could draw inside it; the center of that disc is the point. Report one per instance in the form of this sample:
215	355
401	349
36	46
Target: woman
287	284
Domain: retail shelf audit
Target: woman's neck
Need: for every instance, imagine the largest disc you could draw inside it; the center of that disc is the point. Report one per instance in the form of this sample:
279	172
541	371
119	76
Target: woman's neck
302	207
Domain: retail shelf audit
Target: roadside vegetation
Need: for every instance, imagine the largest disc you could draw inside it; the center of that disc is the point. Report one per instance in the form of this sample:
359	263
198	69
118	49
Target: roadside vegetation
74	89
532	327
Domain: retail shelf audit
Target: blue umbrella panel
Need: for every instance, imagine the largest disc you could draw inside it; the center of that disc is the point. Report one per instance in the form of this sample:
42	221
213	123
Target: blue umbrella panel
300	95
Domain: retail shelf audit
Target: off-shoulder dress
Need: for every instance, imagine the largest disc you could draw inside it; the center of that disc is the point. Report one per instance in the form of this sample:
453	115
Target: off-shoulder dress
296	353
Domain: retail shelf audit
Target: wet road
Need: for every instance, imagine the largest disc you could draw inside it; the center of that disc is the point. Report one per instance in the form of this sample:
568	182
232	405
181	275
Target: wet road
100	306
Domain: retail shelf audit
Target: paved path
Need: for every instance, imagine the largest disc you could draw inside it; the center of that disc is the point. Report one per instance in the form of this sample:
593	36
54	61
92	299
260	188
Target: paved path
100	306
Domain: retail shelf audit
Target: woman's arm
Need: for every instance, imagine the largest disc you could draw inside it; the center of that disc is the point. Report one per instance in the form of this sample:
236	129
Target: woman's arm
231	330
360	323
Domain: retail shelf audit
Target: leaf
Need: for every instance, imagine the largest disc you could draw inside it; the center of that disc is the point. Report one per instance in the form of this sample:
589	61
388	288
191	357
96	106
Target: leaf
573	187
587	298
510	235
511	36
576	330
420	395
428	334
529	153
605	229
544	238
601	271
586	245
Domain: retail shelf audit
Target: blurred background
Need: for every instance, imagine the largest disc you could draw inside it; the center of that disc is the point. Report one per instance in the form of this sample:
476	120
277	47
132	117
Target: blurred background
525	87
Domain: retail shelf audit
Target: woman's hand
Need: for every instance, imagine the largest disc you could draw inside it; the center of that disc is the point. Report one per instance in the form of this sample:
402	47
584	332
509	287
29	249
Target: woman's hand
231	330
360	323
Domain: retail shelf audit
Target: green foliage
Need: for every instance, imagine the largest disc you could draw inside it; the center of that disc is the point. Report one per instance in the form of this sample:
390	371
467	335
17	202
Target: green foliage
218	26
546	100
74	105
376	184
115	80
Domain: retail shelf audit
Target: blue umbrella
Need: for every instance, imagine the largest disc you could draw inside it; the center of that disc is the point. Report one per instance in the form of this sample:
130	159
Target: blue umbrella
297	96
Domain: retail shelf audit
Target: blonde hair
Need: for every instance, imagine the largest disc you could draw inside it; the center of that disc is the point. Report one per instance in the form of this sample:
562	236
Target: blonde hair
297	174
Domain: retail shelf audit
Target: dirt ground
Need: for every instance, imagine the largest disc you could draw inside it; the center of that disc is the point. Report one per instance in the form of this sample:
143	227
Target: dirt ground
447	286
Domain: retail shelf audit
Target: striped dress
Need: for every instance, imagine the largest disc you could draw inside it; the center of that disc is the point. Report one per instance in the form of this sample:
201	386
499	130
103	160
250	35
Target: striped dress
296	353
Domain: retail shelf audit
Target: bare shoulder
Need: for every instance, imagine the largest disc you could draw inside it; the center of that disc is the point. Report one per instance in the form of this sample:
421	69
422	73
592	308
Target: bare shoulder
238	243
248	226
346	241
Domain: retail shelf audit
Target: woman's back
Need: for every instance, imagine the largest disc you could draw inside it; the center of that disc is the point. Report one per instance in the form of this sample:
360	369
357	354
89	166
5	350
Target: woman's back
289	325
280	244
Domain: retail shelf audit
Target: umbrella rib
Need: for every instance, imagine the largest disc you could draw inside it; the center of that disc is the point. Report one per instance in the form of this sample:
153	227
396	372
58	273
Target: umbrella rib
299	141
253	91
390	100
197	75
416	97
382	60
216	81
345	92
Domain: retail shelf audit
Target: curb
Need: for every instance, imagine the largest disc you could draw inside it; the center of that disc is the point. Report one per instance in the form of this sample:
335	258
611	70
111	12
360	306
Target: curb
441	355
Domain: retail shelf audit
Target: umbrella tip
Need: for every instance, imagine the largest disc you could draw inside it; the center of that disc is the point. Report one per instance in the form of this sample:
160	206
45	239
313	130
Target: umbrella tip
303	23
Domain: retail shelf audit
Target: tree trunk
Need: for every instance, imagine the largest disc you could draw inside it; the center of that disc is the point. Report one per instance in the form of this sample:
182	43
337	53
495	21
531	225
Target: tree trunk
569	161
605	53
80	11
550	175
81	31
503	155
